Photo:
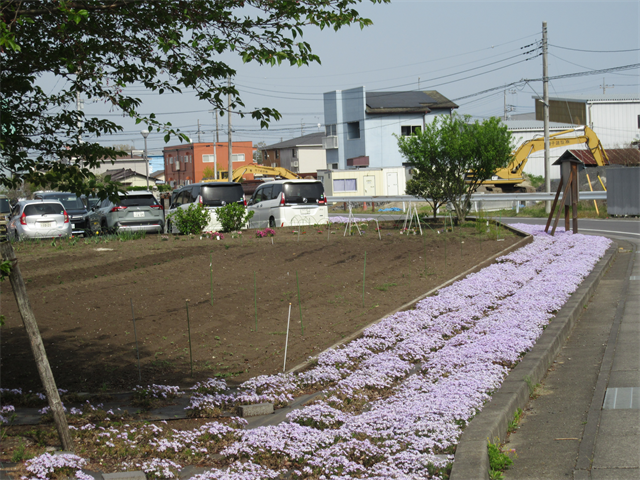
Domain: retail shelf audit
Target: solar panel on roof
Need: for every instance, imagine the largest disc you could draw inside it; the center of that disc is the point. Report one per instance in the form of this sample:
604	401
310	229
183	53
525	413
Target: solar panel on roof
398	99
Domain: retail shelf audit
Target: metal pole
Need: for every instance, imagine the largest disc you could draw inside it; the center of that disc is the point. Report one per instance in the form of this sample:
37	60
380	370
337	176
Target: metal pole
545	100
230	161
146	161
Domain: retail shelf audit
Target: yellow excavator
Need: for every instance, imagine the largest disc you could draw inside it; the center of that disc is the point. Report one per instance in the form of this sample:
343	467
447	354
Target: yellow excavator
511	176
263	170
257	170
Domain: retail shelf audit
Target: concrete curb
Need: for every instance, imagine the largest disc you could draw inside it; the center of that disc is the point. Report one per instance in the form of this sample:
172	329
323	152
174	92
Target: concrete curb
471	458
357	334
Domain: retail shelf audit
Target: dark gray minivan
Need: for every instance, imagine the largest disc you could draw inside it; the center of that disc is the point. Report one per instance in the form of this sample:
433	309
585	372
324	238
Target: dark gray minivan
212	195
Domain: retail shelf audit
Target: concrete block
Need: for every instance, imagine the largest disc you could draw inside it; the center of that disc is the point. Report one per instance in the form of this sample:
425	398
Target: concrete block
255	410
616	451
620	422
615	474
133	475
624	378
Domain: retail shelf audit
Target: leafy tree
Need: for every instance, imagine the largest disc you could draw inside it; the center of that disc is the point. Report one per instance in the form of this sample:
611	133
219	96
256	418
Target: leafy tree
453	156
97	48
257	155
208	172
427	181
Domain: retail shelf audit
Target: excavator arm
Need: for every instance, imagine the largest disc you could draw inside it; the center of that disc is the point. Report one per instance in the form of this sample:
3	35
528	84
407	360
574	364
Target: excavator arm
512	173
263	170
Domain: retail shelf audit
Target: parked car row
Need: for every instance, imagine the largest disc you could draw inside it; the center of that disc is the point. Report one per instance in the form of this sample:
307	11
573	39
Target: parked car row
278	203
63	214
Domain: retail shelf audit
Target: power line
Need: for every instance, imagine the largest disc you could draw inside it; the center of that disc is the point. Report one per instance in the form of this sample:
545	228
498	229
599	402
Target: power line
595	51
569	75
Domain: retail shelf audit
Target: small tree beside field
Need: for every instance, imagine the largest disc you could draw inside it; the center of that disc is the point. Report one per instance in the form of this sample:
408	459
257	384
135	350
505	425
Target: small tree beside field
452	156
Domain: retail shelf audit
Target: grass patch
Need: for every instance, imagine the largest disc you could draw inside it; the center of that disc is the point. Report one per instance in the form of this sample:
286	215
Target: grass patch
385	286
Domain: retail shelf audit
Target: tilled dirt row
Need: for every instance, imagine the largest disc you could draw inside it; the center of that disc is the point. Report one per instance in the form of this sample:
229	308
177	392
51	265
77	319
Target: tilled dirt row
86	295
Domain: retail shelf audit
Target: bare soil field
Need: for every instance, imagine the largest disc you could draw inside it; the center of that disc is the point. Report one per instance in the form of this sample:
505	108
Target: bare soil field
85	294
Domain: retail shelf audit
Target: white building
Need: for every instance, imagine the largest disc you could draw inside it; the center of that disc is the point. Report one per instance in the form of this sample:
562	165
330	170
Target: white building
391	181
300	155
614	118
361	126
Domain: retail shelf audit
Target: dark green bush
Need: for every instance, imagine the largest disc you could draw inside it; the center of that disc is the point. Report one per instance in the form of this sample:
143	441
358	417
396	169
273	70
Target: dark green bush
233	217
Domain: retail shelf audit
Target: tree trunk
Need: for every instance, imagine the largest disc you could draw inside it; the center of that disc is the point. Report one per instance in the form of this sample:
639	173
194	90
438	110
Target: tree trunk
37	347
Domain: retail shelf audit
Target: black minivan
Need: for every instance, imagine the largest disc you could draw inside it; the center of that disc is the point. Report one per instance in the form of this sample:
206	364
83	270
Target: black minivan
212	195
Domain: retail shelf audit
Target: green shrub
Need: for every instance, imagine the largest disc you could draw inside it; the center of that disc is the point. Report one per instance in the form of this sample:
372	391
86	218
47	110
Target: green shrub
191	220
233	217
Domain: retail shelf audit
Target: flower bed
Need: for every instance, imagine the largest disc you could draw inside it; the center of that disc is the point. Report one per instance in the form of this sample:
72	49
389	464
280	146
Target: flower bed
395	401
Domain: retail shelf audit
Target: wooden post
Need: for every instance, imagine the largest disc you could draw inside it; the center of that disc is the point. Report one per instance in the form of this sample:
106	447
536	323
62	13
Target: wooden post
564	196
553	208
37	347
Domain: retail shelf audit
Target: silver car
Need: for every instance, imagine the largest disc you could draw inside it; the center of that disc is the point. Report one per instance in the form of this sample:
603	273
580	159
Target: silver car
39	219
135	212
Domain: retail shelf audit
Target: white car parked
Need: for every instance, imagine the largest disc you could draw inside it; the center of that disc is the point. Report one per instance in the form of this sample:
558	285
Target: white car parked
284	203
39	219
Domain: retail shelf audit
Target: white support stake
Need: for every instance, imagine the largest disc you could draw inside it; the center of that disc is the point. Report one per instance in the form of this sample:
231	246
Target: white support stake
286	343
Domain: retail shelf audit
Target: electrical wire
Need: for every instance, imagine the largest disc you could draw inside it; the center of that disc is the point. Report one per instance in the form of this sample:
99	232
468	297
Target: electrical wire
594	51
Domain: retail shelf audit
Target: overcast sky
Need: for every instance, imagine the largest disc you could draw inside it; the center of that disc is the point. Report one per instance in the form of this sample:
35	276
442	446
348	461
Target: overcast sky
458	48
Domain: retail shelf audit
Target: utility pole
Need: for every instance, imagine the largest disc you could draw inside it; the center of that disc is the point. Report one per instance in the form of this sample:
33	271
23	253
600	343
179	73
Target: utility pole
545	100
605	86
230	161
199	132
215	134
508	108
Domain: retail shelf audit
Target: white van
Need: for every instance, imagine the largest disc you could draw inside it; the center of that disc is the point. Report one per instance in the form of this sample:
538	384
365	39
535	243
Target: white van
212	195
284	203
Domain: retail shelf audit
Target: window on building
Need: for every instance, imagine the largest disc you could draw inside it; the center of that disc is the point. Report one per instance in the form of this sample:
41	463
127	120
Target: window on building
330	130
294	153
407	130
277	154
333	166
237	157
208	158
345	185
353	130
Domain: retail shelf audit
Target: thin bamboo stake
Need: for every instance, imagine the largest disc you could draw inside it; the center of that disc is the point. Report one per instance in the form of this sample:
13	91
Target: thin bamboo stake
189	330
299	304
286	342
424	245
445	253
255	298
211	271
135	334
364	275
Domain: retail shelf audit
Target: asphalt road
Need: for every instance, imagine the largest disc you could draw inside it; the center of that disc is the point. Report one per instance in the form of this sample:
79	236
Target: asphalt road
624	228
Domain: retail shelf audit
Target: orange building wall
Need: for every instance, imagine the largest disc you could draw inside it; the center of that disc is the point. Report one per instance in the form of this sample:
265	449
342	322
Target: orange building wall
192	170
